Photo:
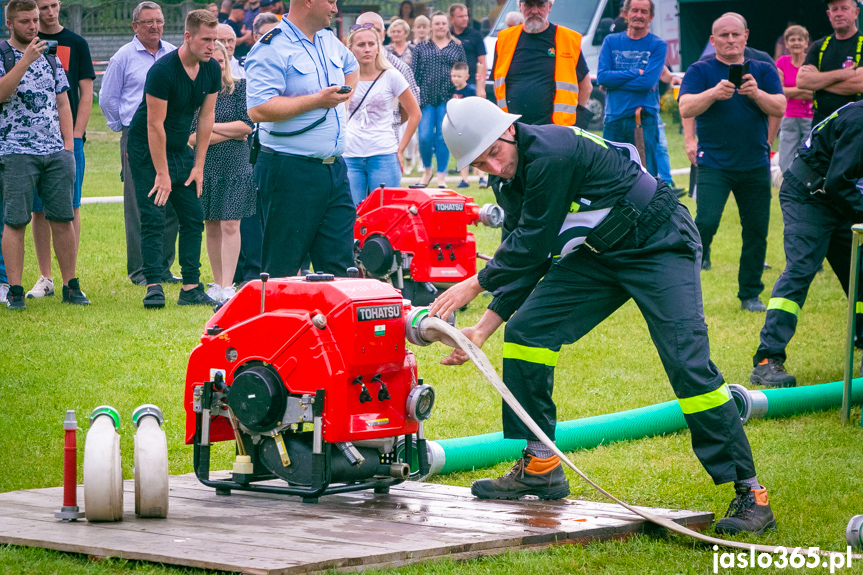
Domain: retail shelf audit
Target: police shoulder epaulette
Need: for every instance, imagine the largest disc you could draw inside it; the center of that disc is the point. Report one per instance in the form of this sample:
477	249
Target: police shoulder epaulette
268	37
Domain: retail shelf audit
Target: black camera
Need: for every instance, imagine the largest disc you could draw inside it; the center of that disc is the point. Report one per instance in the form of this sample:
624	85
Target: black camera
50	47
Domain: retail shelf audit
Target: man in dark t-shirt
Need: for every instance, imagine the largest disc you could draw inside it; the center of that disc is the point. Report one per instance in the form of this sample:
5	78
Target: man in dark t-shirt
73	54
831	66
472	42
163	166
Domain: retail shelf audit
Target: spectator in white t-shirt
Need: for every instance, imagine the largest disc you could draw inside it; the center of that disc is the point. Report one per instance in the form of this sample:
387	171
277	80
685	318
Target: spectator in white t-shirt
372	154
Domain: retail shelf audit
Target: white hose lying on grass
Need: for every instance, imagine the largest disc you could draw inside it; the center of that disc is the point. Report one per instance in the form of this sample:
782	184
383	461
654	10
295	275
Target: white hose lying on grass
435	329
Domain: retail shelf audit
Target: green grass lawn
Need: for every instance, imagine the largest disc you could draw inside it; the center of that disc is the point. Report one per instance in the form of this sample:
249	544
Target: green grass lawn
55	357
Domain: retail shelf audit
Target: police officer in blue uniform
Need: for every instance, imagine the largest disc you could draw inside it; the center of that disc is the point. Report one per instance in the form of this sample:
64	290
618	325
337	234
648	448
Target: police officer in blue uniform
299	80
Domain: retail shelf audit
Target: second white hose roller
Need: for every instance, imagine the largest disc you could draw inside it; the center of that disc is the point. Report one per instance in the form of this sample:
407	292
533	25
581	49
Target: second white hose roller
151	463
103	469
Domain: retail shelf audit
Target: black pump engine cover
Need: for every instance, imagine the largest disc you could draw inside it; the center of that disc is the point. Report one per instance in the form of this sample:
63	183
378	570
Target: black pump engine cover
258	398
377	256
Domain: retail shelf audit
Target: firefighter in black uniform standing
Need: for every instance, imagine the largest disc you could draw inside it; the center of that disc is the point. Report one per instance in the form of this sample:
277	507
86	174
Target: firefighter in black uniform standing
821	199
563	188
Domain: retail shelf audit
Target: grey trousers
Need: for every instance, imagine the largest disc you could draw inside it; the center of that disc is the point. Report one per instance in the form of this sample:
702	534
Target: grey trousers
132	218
793	131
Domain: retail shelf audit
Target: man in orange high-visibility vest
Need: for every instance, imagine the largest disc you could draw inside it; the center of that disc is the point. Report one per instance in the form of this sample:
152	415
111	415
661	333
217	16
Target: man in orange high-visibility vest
539	70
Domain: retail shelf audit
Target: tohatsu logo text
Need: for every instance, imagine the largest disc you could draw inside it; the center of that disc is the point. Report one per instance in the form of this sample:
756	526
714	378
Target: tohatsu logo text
379	312
449	207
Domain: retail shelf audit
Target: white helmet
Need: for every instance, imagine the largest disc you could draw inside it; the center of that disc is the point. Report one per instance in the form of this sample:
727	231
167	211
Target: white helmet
471	126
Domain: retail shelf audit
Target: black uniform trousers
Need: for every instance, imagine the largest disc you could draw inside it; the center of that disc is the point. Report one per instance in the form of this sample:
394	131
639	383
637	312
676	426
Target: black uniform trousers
184	200
814	229
752	194
582	289
251	243
307	209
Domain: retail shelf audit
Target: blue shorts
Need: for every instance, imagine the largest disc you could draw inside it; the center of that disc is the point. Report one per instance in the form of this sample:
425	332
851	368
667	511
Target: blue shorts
38	208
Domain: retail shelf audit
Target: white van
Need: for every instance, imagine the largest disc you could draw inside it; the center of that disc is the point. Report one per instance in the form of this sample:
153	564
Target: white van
593	20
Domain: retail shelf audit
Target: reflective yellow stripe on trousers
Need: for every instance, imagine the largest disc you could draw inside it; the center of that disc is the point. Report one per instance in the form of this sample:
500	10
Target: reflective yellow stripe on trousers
783	304
530	354
705	401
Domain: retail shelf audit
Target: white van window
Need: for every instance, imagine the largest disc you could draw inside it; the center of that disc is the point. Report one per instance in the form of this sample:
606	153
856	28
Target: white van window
574	14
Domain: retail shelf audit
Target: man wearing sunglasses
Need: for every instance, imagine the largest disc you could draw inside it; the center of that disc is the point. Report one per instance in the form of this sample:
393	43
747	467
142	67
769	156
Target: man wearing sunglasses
588	230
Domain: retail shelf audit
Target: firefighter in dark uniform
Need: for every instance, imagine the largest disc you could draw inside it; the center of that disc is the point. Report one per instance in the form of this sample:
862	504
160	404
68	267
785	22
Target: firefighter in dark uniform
821	199
588	230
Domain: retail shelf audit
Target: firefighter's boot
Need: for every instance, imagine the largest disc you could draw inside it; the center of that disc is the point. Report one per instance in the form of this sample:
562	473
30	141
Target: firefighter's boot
749	512
530	475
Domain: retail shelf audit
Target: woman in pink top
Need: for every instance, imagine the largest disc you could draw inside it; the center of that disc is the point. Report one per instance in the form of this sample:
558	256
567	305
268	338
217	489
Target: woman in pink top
798	114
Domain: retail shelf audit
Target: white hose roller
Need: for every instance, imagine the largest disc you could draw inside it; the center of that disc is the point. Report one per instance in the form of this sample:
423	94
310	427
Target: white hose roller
103	470
151	463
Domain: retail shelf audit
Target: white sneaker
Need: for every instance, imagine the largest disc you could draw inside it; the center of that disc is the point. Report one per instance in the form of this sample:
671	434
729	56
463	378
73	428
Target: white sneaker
215	292
4	291
228	292
44	287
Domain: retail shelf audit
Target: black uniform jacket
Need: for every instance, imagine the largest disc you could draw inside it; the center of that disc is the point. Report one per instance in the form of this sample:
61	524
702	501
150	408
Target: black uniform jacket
834	150
566	182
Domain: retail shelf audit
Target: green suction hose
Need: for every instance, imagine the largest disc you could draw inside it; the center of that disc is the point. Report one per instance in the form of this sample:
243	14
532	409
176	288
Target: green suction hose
479	451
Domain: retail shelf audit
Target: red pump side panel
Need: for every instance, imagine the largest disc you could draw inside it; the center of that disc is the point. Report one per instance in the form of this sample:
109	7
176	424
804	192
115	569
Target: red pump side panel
364	337
441	220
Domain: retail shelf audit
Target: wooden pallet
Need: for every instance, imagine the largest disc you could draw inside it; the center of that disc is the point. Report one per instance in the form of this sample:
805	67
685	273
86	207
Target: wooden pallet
276	535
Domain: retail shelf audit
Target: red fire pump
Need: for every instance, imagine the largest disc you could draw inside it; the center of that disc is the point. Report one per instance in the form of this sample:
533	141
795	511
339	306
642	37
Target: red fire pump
418	238
311	377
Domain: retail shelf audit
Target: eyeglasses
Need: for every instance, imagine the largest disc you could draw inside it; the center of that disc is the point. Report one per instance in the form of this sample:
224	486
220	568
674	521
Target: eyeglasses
152	22
366	26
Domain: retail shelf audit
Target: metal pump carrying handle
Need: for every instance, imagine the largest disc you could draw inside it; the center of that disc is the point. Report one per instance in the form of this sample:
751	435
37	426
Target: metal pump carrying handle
435	329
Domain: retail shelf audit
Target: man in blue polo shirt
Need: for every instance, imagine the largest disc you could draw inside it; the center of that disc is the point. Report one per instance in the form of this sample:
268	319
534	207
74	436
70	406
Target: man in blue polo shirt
295	75
733	153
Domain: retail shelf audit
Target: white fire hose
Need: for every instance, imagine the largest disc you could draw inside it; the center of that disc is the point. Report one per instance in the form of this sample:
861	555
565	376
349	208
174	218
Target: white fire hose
432	329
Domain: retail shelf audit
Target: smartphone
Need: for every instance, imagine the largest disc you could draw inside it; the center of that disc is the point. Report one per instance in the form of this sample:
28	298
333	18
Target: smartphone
736	73
344	90
50	47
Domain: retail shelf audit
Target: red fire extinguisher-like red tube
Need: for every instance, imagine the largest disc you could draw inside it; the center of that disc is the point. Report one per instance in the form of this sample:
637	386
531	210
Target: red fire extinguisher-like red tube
70	511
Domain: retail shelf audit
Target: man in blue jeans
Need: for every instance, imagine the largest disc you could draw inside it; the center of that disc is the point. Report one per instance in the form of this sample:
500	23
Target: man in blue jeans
630	64
73	53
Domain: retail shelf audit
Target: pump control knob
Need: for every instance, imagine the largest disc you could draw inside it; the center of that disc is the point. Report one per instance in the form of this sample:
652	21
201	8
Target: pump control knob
383	393
365	396
353	272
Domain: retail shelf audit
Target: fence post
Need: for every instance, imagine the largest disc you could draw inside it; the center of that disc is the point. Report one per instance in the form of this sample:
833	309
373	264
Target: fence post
76	13
186	7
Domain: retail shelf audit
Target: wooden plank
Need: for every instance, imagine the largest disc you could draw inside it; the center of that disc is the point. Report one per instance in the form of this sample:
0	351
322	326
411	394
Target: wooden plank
279	535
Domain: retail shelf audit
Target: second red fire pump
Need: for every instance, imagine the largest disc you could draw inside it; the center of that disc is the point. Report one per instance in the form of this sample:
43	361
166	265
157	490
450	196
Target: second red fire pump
418	238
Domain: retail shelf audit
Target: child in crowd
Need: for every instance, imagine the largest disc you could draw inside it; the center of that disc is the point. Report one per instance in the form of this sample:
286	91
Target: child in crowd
459	76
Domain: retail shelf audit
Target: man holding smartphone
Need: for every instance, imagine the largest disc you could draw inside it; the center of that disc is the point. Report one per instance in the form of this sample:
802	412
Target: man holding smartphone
733	153
300	76
35	150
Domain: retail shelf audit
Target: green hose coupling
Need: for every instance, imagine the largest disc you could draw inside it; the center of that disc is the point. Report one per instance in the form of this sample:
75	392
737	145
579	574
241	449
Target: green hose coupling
106	410
414	330
148	409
